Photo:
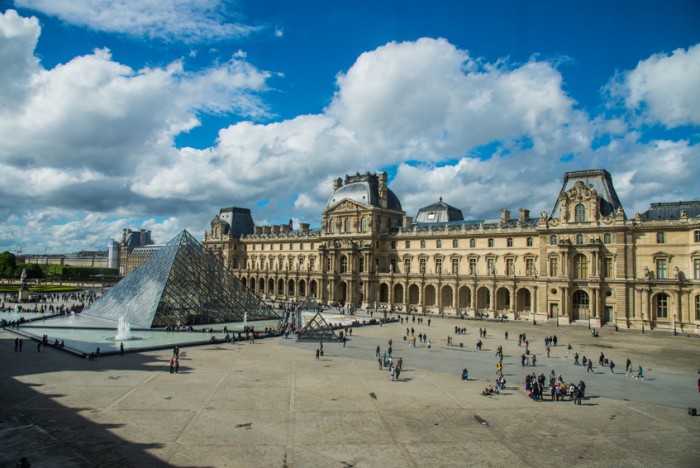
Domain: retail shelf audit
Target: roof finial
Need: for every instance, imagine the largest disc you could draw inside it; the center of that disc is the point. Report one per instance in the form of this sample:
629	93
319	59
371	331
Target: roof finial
440	199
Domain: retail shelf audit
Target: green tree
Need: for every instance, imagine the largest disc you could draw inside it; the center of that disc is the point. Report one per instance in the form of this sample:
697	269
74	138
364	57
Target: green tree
8	263
34	271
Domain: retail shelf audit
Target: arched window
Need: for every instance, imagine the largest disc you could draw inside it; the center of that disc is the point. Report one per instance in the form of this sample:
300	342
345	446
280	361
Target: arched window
438	244
607	238
347	224
662	306
579	239
472	243
490	242
363	224
509	242
331	226
455	243
408	244
580	213
529	241
552	240
343	264
580	267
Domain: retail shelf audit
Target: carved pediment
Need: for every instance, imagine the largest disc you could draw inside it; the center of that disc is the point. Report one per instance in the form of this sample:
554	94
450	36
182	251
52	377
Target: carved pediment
579	192
346	205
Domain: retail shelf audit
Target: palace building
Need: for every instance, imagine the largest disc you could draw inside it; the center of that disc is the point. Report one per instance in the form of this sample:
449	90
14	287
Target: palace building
583	262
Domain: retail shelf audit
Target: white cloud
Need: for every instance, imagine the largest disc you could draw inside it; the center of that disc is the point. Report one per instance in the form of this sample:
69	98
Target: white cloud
663	88
182	20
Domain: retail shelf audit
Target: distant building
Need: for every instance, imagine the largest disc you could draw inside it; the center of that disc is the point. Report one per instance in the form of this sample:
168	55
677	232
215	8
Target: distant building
134	248
96	259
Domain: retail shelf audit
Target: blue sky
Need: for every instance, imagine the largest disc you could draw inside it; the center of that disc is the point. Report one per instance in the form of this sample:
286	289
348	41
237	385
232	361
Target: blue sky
154	114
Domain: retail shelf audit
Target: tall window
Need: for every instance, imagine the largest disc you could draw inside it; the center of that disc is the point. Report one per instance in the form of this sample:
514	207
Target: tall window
662	306
363	224
580	267
509	242
393	244
661	268
472	243
491	266
455	243
696	268
509	266
347	224
553	266
529	241
438	265
607	238
660	238
422	244
455	266
552	240
438	244
362	264
328	264
697	307
392	262
580	213
697	236
421	265
472	266
607	267
408	244
312	264
407	265
529	267
490	242
579	239
331	226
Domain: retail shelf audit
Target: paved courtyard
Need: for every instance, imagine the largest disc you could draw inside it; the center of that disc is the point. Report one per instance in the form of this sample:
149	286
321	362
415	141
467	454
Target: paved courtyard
272	403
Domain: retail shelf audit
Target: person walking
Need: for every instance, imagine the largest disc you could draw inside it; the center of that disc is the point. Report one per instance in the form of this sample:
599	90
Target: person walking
16	344
640	373
172	365
318	354
628	367
590	367
612	366
377	352
121	349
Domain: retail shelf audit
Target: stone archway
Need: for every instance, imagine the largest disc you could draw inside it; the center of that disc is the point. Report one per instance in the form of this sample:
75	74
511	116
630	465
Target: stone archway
413	295
465	298
261	285
503	299
524	300
341	292
271	286
383	293
302	288
290	288
398	294
581	305
430	295
280	287
313	288
446	296
483	298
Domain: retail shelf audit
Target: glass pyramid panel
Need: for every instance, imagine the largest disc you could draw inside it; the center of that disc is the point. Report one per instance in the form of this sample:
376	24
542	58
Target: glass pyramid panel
180	284
318	329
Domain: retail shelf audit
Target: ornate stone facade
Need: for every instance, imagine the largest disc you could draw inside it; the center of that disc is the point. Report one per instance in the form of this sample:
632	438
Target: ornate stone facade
585	262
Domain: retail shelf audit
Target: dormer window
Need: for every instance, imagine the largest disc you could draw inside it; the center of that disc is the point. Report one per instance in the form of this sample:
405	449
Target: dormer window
580	213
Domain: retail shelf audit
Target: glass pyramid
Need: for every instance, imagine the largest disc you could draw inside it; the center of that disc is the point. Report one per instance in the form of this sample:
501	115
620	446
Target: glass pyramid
318	329
180	284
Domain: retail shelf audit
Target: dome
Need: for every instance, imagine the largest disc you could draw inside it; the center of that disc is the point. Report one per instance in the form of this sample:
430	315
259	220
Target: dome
363	189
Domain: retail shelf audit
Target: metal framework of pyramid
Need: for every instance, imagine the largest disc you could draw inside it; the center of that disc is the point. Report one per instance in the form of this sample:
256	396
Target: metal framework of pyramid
309	304
318	329
180	284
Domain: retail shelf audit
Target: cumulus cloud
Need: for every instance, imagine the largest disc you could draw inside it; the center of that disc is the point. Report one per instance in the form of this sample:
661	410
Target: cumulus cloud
663	88
181	20
93	140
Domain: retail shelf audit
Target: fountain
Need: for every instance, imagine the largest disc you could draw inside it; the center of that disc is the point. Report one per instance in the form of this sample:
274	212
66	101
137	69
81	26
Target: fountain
245	320
123	330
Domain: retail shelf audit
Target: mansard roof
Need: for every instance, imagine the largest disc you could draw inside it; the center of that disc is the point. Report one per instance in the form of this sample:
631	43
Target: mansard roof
364	189
671	210
439	212
599	180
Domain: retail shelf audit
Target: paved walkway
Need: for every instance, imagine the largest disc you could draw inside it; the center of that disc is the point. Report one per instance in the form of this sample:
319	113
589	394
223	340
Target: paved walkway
273	404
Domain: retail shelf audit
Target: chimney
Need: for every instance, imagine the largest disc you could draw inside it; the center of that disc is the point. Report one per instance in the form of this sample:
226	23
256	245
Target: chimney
337	183
383	197
505	215
524	215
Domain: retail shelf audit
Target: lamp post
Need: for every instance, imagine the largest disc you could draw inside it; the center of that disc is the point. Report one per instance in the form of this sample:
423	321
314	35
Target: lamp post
642	322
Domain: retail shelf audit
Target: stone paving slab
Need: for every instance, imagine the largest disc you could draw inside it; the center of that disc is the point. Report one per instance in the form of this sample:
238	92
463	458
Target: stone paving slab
273	404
